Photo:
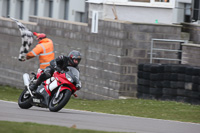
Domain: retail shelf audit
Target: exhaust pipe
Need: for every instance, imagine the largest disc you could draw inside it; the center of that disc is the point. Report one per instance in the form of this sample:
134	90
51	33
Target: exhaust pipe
26	79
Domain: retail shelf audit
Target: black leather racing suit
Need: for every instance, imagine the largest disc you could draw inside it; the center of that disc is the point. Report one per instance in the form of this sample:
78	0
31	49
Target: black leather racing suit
59	64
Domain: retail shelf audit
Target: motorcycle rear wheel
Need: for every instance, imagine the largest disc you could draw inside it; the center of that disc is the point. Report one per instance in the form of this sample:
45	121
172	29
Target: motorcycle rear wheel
24	100
57	104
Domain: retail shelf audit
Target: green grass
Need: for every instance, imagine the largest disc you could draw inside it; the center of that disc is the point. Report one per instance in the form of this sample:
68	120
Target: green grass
27	127
168	110
9	93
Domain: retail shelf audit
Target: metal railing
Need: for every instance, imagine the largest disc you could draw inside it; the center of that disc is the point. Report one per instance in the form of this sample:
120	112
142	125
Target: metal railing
169	50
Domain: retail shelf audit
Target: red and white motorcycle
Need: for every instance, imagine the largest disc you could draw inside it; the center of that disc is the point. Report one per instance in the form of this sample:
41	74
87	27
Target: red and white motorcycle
54	93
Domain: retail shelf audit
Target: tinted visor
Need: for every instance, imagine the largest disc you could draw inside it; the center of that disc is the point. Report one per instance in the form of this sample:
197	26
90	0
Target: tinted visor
76	60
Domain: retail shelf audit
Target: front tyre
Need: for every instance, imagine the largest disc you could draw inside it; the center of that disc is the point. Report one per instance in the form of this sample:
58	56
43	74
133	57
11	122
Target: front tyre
24	100
58	103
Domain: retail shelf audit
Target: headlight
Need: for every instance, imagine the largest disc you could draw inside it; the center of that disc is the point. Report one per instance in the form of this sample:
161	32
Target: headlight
69	78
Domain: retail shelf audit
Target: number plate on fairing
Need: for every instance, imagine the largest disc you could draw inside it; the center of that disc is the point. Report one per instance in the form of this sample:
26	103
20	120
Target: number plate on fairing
36	100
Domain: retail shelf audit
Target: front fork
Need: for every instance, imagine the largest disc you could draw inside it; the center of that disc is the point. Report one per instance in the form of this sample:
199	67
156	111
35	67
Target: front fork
58	92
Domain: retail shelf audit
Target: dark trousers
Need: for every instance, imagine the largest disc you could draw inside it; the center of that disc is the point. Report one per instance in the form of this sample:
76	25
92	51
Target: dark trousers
48	72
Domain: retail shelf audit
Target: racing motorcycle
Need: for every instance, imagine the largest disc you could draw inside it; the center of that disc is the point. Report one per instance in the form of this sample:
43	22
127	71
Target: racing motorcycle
54	93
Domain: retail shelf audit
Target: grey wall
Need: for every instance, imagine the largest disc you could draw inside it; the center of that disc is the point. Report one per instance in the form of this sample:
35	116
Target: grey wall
191	54
110	58
194	30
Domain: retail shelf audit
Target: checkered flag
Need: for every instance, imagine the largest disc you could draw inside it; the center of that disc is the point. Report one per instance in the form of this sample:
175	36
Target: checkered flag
27	40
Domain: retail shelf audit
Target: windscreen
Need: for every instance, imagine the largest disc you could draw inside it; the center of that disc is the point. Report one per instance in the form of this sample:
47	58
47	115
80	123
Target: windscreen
73	73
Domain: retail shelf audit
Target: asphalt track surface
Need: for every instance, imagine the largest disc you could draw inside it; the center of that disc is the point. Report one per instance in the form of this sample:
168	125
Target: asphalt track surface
10	111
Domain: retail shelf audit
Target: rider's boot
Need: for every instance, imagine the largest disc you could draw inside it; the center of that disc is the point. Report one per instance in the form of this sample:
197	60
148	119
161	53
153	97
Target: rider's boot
34	85
42	78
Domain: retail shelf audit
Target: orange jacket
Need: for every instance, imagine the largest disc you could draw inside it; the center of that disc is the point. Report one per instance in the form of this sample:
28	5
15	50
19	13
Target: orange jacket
45	51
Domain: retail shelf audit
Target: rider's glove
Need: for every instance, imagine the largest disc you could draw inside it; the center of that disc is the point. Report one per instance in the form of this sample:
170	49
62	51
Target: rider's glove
58	69
62	71
78	86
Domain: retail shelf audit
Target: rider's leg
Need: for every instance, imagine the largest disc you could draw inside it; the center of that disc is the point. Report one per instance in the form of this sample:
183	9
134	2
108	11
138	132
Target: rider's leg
48	72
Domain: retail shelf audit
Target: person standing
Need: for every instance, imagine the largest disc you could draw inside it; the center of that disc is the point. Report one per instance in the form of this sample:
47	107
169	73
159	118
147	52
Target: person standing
44	48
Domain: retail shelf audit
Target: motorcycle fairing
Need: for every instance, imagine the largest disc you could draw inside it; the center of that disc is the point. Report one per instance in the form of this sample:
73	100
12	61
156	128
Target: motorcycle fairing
42	95
47	90
60	77
64	88
50	85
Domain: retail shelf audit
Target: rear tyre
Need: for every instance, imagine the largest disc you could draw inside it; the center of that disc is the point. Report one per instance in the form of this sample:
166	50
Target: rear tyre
57	104
24	100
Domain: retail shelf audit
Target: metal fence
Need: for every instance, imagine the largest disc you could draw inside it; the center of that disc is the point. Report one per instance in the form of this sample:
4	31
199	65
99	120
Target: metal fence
179	51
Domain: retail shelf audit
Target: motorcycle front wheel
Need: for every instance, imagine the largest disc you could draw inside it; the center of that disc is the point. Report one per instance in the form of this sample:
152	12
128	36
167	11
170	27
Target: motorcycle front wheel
24	100
58	103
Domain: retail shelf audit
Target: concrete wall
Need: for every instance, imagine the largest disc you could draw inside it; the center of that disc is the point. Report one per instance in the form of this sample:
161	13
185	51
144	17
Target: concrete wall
193	30
191	54
110	57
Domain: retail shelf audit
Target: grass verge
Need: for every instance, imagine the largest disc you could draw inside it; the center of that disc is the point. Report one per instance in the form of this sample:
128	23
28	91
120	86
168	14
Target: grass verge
168	110
27	127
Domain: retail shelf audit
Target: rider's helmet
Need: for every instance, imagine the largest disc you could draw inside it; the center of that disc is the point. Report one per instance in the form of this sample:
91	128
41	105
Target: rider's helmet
74	58
40	36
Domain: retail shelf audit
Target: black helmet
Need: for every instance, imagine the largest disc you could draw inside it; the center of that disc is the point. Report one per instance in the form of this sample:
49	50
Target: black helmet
74	55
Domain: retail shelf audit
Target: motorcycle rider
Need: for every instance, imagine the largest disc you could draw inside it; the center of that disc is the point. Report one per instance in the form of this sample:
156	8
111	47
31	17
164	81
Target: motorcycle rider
59	64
